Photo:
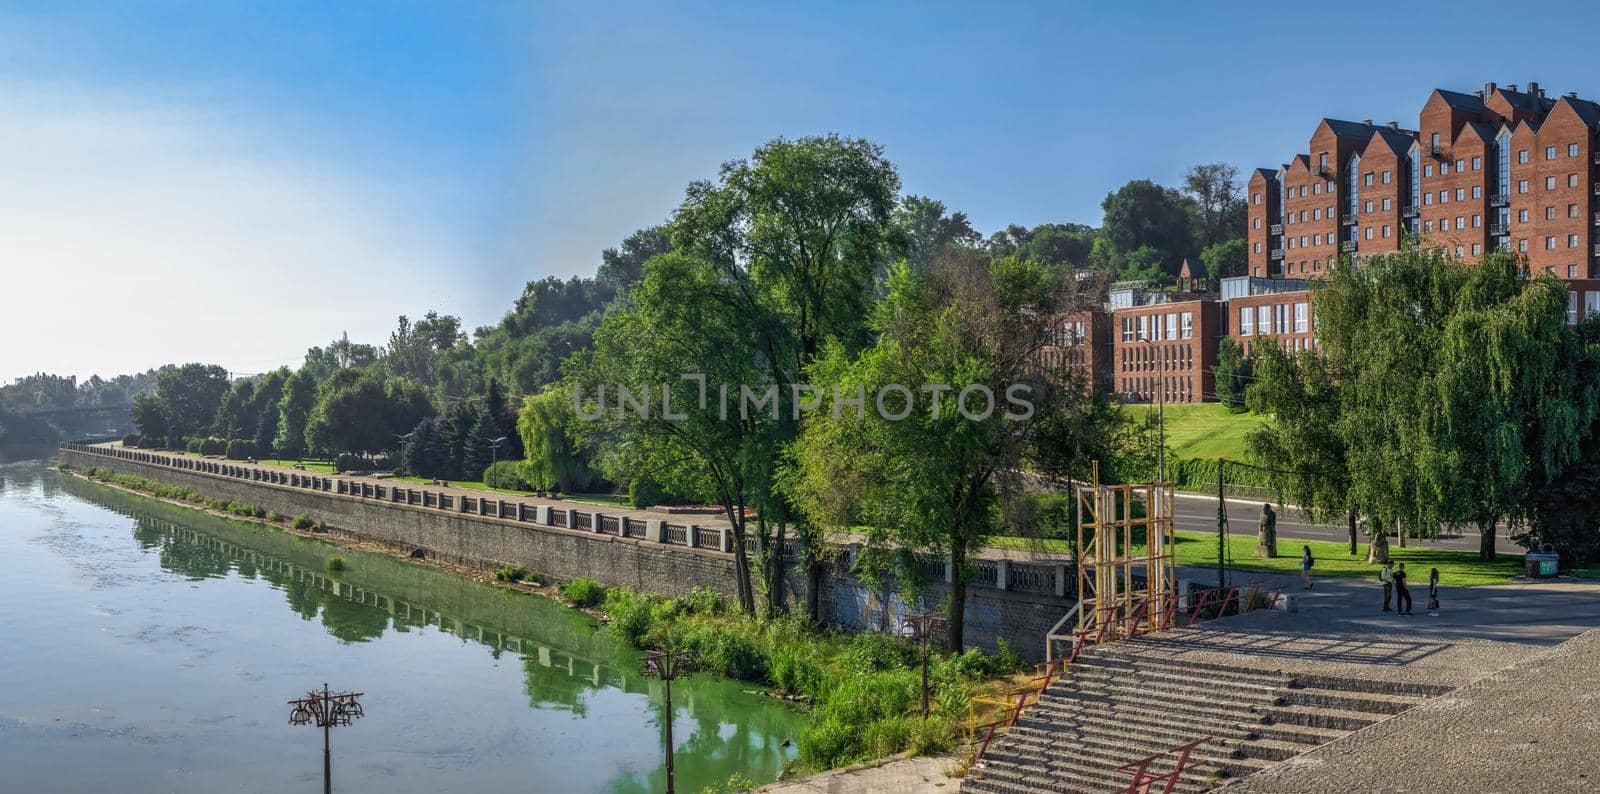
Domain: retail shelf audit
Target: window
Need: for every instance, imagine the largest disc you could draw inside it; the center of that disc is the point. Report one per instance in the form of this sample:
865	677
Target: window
1386	177
1434	140
1258	246
1316	189
1572	241
1444	224
1549	213
1461	165
1549	152
1572	210
1477	163
1572	308
1572	180
1255	198
1317	238
1316	214
1367	179
1522	186
1302	318
1427	199
1572	150
1144	327
1522	216
1427	226
1572	271
1386	205
1477	191
1461	194
1549	183
1256	223
1427	170
1280	318
1461	222
1444	168
1522	245
1386	230
1172	325
1458	252
1127	329
1522	155
1550	243
1263	319
1476	249
1247	321
1367	207
1591	303
1369	232
1477	221
1302	216
1187	320
1444	196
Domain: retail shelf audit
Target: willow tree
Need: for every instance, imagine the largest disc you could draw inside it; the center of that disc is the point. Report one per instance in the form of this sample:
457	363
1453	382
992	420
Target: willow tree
553	458
922	438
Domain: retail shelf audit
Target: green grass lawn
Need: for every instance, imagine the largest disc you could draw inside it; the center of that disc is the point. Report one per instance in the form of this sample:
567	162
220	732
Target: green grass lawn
601	499
1456	568
323	466
1204	430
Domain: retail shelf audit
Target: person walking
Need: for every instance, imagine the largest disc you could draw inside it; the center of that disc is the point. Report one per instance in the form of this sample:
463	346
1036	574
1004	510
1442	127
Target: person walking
1305	566
1433	593
1402	594
1386	575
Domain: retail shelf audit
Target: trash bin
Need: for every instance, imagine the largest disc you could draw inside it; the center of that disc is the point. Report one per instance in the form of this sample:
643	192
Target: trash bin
1544	563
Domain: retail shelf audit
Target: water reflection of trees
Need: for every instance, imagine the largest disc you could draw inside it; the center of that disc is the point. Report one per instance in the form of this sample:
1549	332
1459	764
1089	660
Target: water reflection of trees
564	660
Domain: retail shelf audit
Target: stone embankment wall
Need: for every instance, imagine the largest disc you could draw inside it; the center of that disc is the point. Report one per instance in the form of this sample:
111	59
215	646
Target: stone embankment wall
669	555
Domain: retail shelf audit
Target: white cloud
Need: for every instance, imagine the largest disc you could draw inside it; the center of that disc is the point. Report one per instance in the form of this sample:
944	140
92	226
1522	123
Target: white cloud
213	248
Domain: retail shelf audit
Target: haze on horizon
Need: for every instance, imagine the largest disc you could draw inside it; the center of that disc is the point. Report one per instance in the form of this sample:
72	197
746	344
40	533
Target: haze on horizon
246	183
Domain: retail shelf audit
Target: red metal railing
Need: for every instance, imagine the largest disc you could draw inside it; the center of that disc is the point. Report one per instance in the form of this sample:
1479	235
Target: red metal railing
1143	780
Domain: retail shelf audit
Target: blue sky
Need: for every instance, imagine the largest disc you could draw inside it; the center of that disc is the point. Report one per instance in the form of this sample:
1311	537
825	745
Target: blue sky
257	179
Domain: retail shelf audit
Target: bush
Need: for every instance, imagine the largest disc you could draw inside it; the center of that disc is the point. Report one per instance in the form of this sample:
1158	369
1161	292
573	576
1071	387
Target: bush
506	475
192	445
583	592
349	461
148	441
275	517
131	440
302	521
644	492
335	563
241	449
514	573
213	446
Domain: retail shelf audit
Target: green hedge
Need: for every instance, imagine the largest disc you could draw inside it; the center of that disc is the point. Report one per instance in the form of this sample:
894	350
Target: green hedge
241	449
506	475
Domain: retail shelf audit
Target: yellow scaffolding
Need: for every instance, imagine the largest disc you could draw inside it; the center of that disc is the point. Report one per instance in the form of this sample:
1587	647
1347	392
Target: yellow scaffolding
1113	542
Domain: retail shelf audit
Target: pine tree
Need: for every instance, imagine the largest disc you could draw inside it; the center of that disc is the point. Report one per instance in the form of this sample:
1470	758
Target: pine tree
505	420
425	454
478	452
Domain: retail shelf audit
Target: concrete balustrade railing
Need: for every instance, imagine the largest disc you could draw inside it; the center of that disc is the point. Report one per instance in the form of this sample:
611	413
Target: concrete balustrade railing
1046	578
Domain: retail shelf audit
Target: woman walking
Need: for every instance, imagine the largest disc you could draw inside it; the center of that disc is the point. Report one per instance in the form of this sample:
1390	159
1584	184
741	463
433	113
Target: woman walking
1305	566
1433	593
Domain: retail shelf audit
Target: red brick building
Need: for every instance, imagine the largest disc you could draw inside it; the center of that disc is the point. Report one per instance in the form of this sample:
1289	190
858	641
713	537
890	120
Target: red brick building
1171	346
1497	168
1082	340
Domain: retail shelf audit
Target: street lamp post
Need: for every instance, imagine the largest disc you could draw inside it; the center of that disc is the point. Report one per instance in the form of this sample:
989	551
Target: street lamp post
404	440
494	447
922	625
666	665
326	709
1161	410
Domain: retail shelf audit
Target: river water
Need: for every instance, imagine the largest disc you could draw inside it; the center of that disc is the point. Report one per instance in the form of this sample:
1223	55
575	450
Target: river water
146	647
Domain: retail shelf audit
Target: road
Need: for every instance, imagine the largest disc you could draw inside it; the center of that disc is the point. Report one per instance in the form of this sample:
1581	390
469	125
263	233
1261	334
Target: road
1198	513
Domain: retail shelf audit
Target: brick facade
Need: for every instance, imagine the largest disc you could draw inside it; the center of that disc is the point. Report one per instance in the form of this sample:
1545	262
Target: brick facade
1282	317
1170	344
1497	167
1082	341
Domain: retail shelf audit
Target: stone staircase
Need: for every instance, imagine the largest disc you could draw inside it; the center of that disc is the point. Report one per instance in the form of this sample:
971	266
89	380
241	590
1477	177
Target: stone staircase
1124	701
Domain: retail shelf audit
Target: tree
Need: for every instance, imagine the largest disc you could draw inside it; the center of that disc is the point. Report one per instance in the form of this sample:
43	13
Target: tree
413	349
1143	214
554	459
921	473
262	414
232	419
294	408
1302	441
362	412
1218	203
927	230
623	266
423	454
150	416
479	451
1233	373
189	397
1226	259
505	420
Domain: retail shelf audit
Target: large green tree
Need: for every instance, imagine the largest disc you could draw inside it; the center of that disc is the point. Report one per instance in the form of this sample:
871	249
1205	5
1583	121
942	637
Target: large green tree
294	408
553	457
189	396
955	406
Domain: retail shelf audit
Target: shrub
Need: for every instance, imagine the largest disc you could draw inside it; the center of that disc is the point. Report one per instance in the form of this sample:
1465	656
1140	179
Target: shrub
213	446
302	521
506	475
511	573
131	440
644	492
335	563
704	600
192	445
148	441
583	592
349	461
275	517
241	449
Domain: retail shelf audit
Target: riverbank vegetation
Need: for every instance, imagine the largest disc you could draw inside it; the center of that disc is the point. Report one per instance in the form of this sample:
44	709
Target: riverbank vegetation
863	691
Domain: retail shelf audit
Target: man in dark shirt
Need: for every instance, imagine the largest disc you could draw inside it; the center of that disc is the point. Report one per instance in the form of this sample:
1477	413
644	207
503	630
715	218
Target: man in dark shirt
1401	592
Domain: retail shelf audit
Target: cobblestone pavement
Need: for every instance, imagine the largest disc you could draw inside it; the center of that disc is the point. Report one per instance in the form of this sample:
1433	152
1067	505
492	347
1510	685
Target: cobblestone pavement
1533	727
907	776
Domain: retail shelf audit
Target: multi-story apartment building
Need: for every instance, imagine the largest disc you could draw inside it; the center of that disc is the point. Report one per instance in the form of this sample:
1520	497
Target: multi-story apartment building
1165	351
1497	168
1256	310
1082	341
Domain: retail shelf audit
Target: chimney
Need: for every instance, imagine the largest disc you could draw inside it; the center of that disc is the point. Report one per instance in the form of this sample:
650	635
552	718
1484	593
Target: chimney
1512	86
1488	90
1394	125
1533	88
1478	94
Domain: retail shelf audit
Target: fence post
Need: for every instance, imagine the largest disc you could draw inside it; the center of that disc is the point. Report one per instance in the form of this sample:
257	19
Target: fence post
655	530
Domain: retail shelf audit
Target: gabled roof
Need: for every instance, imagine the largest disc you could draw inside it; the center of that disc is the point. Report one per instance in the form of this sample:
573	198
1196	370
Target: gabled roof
1353	130
1526	102
1266	173
1485	132
1192	268
1586	110
1470	103
1397	141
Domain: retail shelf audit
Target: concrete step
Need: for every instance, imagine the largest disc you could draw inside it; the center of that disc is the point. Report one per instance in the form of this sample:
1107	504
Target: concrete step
1177	676
1421	690
1093	771
1188	689
1207	670
1370	702
1306	735
1320	717
1100	689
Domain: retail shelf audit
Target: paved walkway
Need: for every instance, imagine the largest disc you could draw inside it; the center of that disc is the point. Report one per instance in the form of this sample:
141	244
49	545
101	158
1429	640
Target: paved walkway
1534	727
906	776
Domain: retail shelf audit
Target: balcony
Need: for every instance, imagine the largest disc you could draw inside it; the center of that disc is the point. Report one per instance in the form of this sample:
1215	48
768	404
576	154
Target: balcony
1348	219
1500	200
1276	253
1597	218
1347	247
1435	151
1409	211
1276	228
1498	229
1322	171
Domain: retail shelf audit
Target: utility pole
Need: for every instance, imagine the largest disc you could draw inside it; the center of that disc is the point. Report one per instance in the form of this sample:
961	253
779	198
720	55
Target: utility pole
666	665
494	446
326	709
922	625
1222	529
404	440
